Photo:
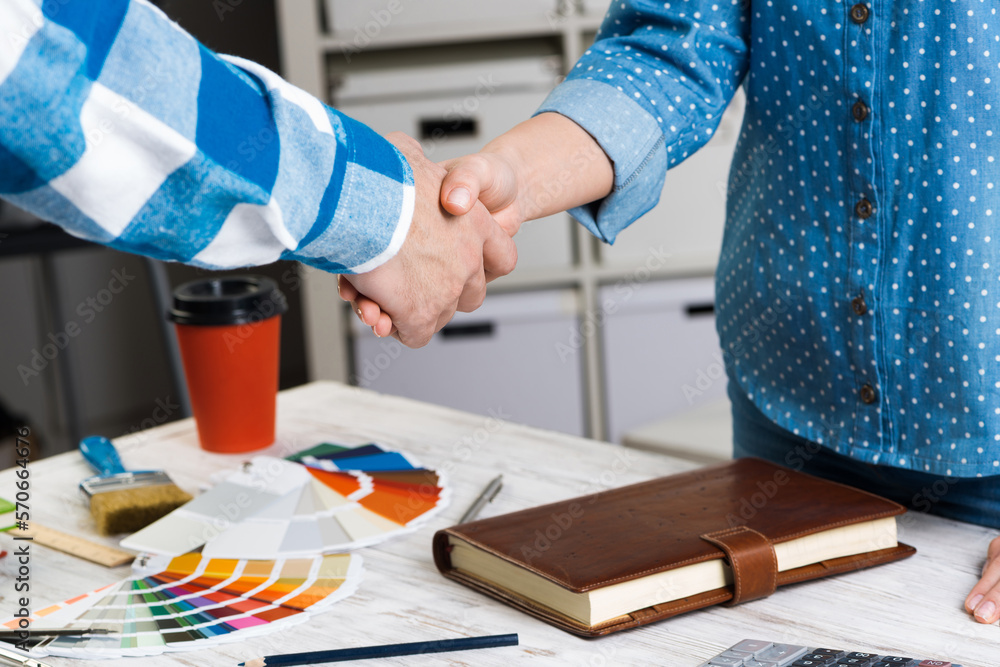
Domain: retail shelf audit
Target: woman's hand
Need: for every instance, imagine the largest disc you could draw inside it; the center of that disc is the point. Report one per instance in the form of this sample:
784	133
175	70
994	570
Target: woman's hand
489	177
984	600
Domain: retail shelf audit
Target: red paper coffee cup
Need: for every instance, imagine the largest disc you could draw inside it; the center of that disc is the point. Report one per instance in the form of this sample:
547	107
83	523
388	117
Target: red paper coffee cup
228	330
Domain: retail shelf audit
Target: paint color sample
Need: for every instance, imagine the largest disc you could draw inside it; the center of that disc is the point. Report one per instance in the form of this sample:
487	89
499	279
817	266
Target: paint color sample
328	499
243	494
220	600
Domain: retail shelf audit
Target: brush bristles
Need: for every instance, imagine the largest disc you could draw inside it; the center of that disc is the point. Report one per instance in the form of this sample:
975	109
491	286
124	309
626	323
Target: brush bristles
128	510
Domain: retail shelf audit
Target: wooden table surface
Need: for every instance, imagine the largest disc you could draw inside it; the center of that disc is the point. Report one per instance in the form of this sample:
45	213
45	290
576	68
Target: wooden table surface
910	607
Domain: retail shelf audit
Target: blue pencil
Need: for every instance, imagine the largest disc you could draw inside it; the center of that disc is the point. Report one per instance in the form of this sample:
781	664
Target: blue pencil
386	651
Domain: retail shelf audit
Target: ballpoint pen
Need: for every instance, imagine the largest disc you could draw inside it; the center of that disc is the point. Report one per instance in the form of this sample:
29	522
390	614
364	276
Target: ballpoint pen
488	494
15	659
31	632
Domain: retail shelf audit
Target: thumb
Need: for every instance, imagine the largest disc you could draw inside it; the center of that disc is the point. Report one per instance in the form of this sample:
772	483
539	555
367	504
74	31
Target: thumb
483	176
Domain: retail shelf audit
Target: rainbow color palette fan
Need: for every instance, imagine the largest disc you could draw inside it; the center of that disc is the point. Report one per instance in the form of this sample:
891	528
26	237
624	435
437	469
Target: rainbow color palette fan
323	500
191	602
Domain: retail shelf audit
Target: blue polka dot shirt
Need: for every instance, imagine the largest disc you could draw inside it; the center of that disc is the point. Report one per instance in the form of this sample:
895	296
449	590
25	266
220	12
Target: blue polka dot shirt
858	287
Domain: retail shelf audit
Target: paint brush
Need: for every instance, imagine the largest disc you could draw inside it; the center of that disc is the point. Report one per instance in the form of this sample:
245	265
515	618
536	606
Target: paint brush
124	501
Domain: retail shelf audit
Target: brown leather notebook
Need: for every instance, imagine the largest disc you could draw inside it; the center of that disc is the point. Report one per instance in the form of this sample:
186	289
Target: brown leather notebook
633	555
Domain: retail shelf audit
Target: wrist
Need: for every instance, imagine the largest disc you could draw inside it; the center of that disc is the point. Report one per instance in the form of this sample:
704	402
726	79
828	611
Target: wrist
555	163
513	170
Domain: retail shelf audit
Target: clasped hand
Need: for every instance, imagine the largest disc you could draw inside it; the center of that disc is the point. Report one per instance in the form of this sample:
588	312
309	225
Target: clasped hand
443	266
544	165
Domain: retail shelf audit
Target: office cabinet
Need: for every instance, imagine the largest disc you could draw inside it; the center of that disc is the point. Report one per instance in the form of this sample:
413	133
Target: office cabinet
512	359
661	351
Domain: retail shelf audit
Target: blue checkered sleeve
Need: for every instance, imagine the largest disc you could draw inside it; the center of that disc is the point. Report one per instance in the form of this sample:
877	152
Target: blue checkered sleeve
120	127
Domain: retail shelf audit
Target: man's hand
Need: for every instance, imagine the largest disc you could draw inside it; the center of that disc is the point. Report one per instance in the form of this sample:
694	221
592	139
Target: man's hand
984	600
443	266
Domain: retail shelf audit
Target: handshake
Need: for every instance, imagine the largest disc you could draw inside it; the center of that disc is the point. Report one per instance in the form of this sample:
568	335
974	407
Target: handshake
466	212
453	249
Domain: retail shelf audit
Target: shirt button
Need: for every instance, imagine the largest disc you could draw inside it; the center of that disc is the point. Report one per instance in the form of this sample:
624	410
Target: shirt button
859	13
864	209
859	305
867	394
859	111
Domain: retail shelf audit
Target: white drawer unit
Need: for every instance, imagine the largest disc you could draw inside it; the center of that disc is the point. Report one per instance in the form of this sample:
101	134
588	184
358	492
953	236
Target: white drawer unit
661	351
703	435
370	17
453	110
506	360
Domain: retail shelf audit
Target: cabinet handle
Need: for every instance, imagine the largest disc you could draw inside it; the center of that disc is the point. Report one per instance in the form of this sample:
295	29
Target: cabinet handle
439	128
693	309
471	330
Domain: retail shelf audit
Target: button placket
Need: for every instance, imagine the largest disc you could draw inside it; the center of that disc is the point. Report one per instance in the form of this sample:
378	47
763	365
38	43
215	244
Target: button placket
860	82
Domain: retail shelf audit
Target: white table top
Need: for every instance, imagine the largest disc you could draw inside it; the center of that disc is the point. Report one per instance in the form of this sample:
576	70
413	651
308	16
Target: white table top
912	607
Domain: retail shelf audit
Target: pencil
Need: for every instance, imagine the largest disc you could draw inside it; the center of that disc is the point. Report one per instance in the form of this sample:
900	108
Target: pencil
386	651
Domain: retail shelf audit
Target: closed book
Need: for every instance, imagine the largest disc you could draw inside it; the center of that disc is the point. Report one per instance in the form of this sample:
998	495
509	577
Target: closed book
628	556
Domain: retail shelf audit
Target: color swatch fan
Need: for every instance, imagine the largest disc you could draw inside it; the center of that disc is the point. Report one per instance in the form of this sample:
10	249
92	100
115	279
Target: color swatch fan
192	602
323	500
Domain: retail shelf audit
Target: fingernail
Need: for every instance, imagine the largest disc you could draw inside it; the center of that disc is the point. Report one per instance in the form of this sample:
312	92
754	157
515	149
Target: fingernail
459	197
986	611
375	331
974	602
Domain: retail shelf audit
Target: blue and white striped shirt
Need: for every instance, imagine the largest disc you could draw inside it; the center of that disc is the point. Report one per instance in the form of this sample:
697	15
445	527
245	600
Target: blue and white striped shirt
124	130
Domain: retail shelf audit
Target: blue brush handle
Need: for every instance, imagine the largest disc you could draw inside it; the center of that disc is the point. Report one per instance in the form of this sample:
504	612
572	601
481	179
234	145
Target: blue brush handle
101	455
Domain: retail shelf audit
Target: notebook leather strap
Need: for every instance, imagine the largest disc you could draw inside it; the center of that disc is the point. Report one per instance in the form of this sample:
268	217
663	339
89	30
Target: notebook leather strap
751	556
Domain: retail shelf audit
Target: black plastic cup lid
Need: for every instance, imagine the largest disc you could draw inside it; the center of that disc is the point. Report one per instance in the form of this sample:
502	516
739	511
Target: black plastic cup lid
225	301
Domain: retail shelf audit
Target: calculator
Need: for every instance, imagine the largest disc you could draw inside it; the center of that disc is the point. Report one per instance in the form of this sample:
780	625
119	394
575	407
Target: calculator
761	653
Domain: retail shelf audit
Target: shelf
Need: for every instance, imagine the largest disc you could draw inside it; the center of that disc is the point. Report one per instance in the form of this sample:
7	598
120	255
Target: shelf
453	33
559	277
